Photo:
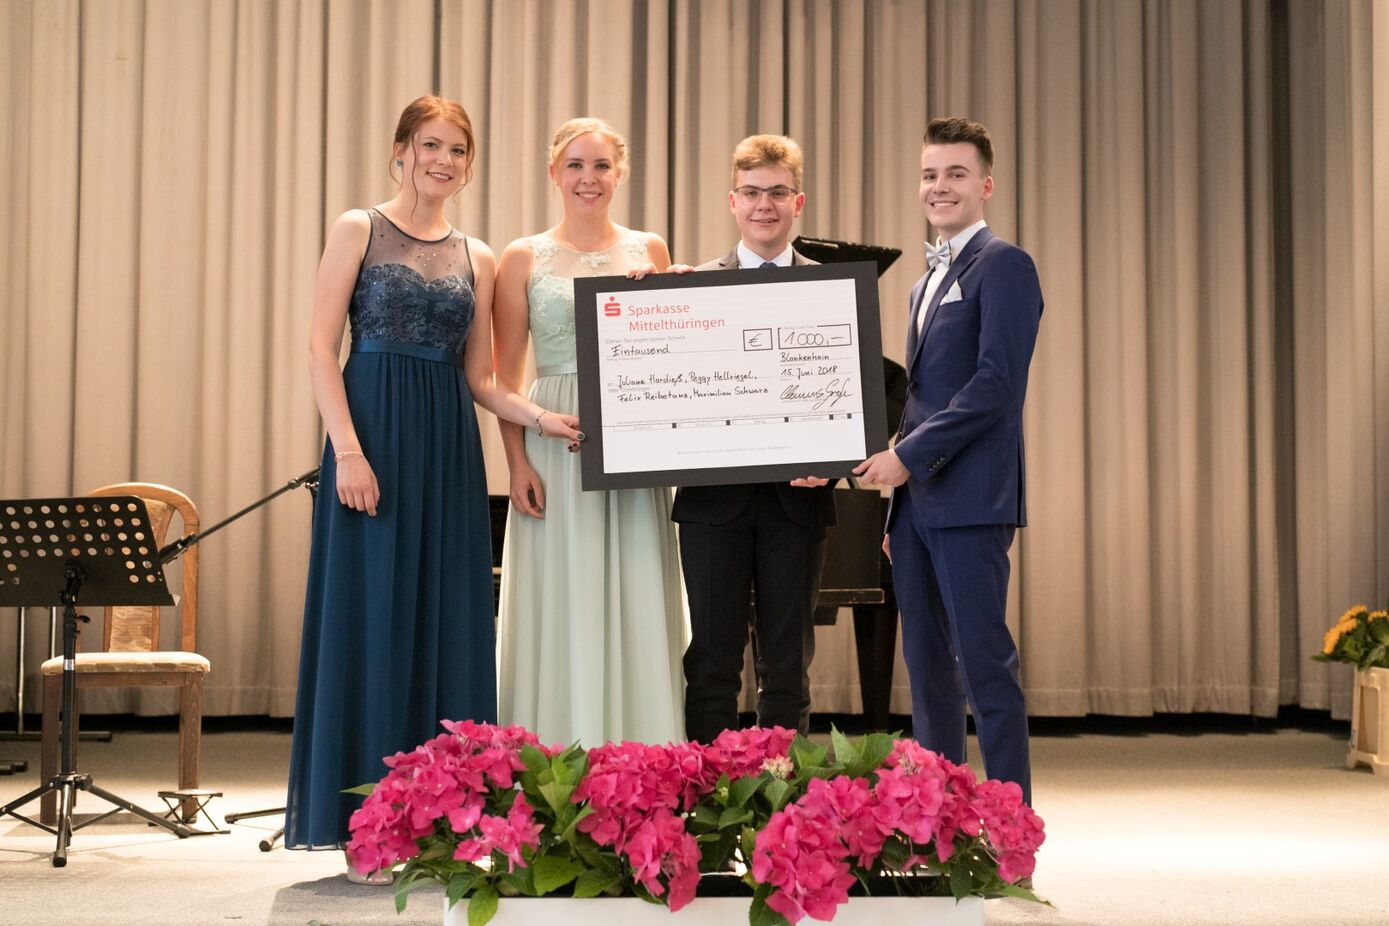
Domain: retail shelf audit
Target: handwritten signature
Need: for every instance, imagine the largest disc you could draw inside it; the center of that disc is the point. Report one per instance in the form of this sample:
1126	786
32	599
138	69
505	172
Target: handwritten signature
825	397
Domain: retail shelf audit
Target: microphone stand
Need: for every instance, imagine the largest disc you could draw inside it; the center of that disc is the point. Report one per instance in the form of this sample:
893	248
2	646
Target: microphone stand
176	549
170	552
173	551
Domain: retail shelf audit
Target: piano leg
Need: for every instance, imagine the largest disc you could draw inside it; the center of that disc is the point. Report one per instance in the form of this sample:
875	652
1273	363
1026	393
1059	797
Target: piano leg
875	639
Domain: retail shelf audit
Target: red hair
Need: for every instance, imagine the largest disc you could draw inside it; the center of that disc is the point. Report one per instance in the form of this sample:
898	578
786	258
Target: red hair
436	107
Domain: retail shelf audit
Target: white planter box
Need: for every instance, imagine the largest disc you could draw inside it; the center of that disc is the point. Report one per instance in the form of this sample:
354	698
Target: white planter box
1369	721
717	911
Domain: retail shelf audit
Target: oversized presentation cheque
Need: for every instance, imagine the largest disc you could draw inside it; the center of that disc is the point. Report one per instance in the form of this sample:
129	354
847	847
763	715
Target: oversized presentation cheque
729	376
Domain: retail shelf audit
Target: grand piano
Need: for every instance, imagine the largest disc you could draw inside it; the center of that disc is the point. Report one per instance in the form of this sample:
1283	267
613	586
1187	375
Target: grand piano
856	574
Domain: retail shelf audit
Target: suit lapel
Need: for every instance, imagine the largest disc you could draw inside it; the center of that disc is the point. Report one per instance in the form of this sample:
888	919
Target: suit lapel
730	260
914	306
957	267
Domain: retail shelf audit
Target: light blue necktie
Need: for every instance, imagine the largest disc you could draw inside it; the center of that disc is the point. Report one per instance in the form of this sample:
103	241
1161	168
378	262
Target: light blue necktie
938	255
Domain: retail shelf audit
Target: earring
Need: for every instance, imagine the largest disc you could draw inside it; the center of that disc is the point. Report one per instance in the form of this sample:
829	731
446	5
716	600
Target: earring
399	162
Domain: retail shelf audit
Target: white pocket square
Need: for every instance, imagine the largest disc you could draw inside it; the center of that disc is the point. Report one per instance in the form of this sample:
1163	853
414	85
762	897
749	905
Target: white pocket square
952	294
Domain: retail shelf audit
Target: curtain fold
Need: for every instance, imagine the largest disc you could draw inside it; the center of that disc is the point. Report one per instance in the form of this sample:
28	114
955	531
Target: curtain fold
1337	108
1204	186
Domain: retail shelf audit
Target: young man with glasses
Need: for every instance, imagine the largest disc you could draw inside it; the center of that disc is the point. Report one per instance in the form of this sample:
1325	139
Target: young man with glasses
768	537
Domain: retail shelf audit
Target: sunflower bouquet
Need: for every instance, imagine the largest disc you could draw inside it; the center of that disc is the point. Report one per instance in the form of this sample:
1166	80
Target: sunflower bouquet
1360	637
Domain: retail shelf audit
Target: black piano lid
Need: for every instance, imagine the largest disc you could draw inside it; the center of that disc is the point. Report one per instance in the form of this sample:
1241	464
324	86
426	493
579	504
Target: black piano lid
830	251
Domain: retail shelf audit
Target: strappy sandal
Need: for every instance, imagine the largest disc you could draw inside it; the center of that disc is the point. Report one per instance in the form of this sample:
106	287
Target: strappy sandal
382	878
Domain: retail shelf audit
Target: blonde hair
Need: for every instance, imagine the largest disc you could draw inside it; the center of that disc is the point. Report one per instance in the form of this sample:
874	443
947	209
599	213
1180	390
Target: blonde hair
585	125
769	151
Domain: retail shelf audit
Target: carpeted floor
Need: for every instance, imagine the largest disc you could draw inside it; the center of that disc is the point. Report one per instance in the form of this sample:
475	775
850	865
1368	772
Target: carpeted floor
1147	824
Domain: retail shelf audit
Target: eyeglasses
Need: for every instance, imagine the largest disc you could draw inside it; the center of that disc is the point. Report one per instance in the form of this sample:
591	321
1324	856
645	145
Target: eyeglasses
781	195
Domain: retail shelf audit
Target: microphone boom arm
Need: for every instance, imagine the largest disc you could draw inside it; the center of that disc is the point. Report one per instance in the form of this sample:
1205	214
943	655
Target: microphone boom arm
173	551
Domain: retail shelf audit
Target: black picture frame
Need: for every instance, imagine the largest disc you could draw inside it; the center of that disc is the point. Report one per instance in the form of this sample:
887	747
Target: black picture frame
864	275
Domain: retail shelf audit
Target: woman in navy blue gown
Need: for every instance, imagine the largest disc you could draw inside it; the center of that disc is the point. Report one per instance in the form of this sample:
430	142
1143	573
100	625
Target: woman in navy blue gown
398	618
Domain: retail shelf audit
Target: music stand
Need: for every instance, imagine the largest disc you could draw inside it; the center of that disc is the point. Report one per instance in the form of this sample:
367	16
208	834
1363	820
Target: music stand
63	548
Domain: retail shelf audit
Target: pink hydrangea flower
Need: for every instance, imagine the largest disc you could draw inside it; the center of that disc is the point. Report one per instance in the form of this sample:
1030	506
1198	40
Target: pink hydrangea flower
379	837
637	793
1013	830
808	850
660	848
508	835
910	792
448	778
803	860
847	806
957	811
741	753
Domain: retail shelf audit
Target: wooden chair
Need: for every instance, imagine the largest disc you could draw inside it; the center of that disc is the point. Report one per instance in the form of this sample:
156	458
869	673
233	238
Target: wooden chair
130	656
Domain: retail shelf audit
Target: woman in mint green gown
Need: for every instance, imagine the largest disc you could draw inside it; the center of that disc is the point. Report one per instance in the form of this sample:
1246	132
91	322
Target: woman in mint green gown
592	625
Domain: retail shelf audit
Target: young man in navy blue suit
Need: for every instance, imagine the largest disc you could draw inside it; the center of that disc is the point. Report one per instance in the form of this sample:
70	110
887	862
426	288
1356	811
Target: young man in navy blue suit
957	465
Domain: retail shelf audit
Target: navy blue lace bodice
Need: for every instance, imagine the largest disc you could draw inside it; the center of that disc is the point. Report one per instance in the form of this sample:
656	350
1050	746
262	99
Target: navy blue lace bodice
413	291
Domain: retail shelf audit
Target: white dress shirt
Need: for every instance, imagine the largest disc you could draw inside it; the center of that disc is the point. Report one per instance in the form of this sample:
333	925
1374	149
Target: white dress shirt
957	244
747	260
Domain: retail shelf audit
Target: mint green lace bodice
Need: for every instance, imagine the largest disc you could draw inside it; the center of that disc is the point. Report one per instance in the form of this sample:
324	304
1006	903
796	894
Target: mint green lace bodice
550	291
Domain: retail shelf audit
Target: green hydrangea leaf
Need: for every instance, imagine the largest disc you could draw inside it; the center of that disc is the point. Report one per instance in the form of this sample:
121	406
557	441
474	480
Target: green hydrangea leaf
734	816
759	914
535	760
483	906
595	881
807	755
553	872
556	794
742	790
461	885
845	752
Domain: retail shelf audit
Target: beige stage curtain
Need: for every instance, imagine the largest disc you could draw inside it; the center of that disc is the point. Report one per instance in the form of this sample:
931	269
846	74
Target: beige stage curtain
1336	307
166	176
1204	186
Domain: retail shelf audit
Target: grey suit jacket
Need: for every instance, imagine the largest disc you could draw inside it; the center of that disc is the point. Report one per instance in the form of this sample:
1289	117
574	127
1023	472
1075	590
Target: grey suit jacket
730	261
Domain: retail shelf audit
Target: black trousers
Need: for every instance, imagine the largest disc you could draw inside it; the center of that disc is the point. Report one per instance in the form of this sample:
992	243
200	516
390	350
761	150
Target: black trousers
761	549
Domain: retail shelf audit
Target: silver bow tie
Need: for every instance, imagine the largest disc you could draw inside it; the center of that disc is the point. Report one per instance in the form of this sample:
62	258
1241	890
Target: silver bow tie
938	255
